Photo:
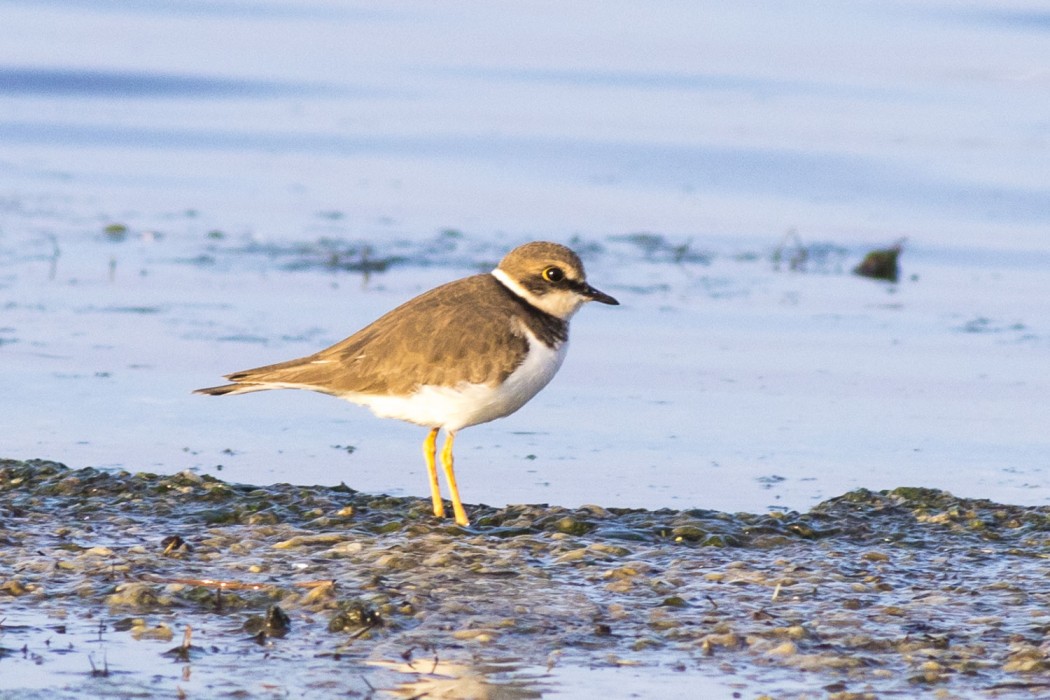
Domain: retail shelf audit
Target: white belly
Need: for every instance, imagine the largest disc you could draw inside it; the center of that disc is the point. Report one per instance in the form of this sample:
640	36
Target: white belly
465	405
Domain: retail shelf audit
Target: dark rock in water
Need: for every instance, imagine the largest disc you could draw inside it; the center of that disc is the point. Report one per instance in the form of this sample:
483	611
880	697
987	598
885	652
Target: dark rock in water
881	264
275	623
354	616
174	544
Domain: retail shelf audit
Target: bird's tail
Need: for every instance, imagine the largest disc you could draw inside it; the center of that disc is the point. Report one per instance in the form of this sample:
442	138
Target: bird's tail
231	389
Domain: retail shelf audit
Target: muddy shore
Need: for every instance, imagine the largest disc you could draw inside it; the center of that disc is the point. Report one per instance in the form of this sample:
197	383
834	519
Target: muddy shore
289	589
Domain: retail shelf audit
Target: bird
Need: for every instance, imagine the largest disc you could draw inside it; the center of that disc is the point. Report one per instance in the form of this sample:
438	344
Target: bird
464	353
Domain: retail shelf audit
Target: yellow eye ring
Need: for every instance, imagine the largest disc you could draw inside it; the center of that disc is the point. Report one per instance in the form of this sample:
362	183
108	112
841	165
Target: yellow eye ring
553	274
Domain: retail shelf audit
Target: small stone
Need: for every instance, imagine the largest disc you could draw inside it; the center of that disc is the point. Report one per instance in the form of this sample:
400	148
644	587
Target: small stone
14	587
159	632
609	549
674	602
784	649
97	552
793	632
133	595
572	526
309	540
319	594
478	635
572	556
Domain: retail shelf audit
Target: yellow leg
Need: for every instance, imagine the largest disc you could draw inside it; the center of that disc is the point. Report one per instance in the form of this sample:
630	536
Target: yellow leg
450	476
429	451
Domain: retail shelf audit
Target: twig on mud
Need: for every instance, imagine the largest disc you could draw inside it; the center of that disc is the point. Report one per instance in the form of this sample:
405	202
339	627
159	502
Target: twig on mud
182	652
98	672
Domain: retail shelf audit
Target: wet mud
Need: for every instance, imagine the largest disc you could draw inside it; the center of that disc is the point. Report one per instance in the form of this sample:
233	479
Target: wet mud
128	584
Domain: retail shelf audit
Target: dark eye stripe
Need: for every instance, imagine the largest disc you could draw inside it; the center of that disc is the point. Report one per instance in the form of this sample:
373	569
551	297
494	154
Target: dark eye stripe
577	286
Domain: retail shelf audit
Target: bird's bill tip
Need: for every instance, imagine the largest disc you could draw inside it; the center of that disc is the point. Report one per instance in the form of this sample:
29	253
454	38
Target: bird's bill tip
599	296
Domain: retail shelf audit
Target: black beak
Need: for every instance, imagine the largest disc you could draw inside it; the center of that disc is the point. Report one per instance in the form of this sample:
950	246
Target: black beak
594	295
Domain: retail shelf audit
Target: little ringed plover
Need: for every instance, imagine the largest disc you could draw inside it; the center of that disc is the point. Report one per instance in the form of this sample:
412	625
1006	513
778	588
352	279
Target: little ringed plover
464	353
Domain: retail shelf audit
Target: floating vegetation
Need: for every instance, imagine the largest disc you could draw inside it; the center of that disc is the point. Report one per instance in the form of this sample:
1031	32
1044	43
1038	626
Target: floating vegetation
881	264
328	254
981	324
333	255
454	249
115	232
868	592
656	247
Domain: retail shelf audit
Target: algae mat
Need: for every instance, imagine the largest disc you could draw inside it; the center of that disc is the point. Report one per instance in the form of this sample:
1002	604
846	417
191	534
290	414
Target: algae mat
132	585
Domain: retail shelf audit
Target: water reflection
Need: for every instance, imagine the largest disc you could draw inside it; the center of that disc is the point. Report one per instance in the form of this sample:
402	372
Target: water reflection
480	680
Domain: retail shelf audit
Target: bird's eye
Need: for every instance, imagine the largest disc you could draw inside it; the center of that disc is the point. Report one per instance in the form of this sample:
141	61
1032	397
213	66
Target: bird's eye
553	274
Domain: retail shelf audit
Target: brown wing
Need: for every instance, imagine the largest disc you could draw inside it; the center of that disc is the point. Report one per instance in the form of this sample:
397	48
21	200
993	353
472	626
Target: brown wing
460	331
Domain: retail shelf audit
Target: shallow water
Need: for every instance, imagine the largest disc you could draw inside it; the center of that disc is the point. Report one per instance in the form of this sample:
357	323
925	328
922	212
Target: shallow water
720	383
188	189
